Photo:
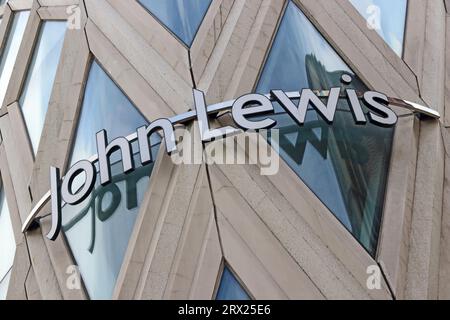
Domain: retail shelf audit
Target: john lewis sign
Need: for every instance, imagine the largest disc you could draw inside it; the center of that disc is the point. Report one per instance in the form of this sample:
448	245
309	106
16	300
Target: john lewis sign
244	111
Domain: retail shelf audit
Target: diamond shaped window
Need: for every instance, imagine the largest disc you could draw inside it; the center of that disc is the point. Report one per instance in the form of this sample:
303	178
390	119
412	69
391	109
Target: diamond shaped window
344	164
98	230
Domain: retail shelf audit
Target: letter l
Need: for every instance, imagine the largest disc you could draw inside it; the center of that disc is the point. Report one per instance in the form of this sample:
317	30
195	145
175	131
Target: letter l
202	117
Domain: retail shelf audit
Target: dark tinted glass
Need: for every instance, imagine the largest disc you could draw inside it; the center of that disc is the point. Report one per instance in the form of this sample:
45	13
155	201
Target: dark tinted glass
344	164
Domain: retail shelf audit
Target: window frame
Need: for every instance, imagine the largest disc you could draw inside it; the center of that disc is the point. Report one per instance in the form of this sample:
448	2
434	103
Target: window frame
20	155
89	43
168	46
397	212
5	28
348	254
265	269
162	61
187	46
405	131
389	157
38	16
152	181
59	17
399	63
346	249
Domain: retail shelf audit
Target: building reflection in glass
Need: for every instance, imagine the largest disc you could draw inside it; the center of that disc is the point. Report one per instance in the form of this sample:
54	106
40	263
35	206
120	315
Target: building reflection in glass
98	230
344	164
106	220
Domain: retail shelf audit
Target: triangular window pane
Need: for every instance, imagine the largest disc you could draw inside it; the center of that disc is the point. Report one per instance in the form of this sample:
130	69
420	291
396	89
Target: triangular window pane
344	164
181	17
230	288
98	230
387	17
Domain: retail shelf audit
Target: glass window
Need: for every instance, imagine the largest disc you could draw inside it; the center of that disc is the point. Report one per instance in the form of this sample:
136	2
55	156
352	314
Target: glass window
11	49
230	288
182	17
41	75
4	285
344	164
98	229
7	245
387	17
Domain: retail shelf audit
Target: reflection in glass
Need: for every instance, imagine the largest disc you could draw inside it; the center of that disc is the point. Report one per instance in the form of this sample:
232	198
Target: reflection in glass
345	165
98	230
387	17
182	17
41	75
230	288
7	245
11	49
